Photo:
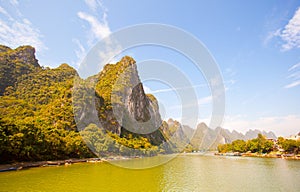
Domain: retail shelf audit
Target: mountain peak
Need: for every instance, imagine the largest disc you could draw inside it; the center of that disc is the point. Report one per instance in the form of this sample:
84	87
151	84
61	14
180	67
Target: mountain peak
26	54
119	87
4	48
202	125
127	60
66	66
15	63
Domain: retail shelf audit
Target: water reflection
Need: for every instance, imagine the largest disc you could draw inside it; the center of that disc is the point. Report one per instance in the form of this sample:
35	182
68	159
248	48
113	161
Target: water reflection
206	173
184	173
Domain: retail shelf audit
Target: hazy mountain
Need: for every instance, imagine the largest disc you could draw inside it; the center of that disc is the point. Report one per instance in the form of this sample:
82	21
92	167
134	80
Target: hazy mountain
203	137
251	134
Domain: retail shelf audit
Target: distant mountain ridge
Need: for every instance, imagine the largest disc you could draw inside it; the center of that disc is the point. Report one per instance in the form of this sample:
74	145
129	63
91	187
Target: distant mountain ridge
253	134
205	138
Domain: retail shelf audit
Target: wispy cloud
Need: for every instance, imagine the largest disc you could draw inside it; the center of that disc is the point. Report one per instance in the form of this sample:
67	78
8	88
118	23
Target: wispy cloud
294	67
294	76
173	89
14	2
4	12
16	30
271	35
80	51
200	102
205	100
289	34
228	83
98	30
293	84
94	5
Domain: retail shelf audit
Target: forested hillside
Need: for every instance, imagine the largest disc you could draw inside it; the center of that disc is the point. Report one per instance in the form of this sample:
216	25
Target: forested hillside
36	121
37	113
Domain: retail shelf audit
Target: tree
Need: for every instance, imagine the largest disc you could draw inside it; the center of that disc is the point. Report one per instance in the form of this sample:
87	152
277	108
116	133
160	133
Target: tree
259	145
291	146
252	145
224	148
239	146
95	139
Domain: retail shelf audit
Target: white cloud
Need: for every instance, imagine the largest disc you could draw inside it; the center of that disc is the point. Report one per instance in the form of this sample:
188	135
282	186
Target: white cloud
4	12
205	100
99	29
295	76
14	2
280	125
176	89
200	102
294	67
293	84
80	52
94	5
16	31
147	89
291	32
271	35
111	52
163	90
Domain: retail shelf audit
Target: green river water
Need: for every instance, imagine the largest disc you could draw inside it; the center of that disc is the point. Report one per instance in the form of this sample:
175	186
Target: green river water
183	173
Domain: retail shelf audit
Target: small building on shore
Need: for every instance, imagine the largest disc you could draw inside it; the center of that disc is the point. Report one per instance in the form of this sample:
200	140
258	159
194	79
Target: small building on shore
294	137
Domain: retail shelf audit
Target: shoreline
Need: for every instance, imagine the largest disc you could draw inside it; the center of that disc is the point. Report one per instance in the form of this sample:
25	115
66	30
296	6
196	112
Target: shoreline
259	155
27	165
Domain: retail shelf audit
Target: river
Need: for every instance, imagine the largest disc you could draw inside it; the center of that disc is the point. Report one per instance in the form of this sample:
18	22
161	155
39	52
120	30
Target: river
183	173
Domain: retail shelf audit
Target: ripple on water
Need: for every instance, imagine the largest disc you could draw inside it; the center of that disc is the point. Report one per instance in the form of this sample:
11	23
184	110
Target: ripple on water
184	173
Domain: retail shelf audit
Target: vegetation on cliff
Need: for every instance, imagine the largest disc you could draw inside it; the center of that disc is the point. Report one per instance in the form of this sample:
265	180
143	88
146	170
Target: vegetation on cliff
124	108
15	64
37	114
36	117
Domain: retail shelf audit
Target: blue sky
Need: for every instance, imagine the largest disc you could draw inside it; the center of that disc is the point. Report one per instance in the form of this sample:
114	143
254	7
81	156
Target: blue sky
255	43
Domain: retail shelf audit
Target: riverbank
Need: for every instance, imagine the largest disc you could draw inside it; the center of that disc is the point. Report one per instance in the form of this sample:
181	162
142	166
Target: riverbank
26	165
267	155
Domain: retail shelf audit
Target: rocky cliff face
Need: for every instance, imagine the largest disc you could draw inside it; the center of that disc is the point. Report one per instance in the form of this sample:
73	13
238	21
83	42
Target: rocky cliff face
14	63
138	104
125	108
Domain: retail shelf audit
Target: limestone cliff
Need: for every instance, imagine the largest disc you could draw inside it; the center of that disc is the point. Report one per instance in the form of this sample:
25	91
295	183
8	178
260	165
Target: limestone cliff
124	107
14	63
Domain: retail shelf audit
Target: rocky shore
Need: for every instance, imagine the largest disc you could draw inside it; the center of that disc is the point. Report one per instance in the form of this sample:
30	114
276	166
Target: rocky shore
27	165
